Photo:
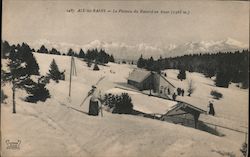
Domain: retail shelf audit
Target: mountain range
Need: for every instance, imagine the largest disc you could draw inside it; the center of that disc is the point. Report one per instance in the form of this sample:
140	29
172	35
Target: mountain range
133	52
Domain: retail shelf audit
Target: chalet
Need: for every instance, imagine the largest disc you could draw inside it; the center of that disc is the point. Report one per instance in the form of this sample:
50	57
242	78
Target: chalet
176	112
183	113
145	80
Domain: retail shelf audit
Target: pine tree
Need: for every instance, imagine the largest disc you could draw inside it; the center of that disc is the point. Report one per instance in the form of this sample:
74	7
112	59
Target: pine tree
37	91
111	59
3	73
96	68
88	55
150	64
222	79
43	49
54	72
156	67
182	74
16	74
5	49
32	68
71	52
54	51
141	62
123	104
81	54
160	63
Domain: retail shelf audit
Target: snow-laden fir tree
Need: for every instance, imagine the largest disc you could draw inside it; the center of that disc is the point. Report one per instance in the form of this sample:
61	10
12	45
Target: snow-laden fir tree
182	74
5	49
222	77
54	72
121	104
3	96
71	52
111	59
16	74
81	54
32	67
20	67
54	51
43	49
37	90
96	68
141	62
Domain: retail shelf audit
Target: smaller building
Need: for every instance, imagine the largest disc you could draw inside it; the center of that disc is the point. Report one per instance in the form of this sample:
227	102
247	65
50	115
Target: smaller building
183	113
145	80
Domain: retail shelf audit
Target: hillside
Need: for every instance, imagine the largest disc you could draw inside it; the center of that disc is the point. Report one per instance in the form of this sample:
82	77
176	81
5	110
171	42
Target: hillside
59	127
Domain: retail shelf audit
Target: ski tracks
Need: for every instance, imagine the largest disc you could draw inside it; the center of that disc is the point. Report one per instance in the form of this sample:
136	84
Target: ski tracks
70	143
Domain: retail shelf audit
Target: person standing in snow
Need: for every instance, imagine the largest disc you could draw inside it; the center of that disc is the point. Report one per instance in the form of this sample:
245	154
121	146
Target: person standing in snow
211	108
182	92
174	96
95	99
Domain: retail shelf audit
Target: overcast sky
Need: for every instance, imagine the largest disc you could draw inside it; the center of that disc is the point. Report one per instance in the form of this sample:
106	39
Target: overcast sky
29	21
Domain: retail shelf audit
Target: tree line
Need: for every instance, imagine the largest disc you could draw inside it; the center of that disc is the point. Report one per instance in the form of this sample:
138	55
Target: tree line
99	56
226	67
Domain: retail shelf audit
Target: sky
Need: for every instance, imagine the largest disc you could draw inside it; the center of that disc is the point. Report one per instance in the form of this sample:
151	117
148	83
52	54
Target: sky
30	21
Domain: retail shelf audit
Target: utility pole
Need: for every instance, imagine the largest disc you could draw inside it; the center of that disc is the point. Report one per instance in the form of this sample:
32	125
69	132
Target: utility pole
151	83
72	72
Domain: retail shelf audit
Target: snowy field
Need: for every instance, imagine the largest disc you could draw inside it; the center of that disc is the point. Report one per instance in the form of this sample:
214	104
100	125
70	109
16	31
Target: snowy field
60	127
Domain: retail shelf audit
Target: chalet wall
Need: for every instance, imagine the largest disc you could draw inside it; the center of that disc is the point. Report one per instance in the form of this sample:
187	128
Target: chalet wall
158	83
146	84
165	87
133	83
184	119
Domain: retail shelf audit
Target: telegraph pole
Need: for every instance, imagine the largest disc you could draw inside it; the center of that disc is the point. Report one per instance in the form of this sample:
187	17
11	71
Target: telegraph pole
151	83
72	72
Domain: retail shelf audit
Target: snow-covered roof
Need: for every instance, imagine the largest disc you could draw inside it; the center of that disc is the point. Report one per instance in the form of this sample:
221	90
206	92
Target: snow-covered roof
146	104
167	80
175	110
138	75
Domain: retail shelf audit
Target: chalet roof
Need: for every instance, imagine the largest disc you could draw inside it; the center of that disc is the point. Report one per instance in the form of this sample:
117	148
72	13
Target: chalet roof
177	109
138	75
143	103
167	80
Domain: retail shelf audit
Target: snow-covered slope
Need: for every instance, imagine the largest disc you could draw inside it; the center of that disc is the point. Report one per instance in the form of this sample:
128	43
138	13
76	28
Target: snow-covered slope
59	127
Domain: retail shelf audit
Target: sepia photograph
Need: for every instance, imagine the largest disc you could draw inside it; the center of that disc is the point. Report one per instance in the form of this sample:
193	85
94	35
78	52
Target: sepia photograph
116	78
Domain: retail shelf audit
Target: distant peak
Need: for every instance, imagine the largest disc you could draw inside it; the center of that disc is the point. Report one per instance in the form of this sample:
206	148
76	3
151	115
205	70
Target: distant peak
231	41
97	42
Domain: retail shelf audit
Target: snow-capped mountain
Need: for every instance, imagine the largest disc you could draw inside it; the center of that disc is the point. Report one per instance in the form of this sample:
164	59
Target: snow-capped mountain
124	51
207	47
